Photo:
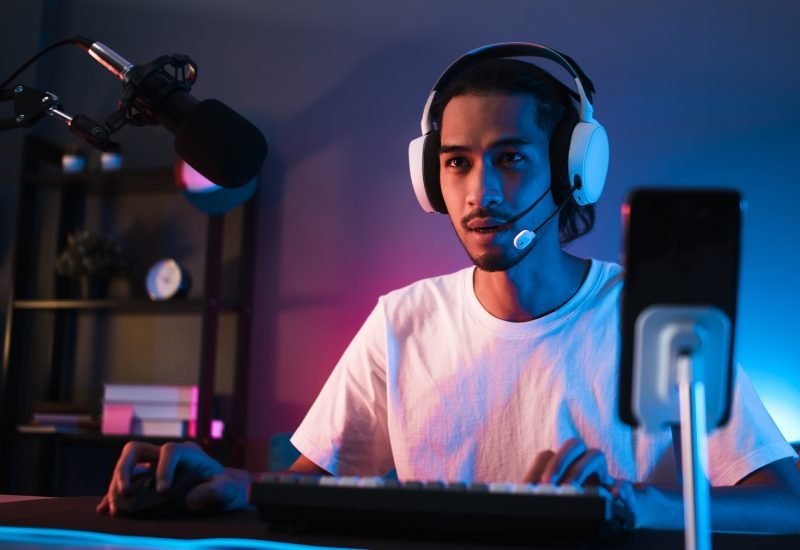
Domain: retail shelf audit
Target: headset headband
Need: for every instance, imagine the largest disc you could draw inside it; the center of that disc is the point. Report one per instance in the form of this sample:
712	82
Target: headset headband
583	84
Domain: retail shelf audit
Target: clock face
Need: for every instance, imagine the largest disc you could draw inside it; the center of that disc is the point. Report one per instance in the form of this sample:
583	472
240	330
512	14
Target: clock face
164	279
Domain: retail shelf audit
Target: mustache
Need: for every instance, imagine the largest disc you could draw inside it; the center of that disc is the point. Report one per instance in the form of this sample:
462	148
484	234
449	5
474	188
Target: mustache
486	213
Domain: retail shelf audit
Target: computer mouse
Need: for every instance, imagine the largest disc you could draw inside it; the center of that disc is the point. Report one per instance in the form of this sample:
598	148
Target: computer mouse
143	501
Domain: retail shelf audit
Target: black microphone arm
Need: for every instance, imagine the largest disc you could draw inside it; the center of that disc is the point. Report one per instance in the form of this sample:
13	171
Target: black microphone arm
30	105
210	136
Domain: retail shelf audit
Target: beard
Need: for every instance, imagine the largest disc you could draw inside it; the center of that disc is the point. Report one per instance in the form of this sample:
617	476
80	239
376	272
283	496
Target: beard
499	260
503	257
499	257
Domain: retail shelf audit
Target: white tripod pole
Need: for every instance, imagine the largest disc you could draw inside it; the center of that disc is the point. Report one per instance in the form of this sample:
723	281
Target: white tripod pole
688	347
694	457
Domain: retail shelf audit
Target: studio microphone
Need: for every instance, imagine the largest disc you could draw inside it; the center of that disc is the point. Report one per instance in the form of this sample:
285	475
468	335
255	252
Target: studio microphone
210	136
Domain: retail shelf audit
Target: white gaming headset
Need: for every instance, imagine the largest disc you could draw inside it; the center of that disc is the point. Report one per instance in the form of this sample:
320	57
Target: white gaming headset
587	156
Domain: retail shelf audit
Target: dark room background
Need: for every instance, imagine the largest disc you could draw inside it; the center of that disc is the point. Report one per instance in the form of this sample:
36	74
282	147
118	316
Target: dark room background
691	93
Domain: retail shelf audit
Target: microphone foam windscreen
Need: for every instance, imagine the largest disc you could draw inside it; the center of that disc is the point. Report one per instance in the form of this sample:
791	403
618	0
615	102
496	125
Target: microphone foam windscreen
221	144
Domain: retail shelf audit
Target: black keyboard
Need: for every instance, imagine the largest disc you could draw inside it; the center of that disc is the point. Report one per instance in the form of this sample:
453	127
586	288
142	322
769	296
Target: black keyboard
496	511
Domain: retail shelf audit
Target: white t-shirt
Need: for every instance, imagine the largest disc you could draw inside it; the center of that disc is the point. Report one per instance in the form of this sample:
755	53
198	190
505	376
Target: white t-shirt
436	387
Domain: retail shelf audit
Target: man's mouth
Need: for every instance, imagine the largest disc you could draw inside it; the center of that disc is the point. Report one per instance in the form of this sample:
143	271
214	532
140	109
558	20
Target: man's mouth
487	228
486	225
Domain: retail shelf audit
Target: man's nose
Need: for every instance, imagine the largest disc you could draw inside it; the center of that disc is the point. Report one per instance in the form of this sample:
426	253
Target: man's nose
486	187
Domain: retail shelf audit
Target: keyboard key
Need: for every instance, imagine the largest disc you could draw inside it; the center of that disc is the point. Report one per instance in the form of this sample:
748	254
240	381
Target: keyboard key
500	487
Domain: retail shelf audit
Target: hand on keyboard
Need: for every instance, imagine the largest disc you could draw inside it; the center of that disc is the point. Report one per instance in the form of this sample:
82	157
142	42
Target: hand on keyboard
574	463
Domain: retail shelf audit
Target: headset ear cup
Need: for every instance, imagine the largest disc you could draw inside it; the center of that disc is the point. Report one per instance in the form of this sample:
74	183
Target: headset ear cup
416	170
430	171
559	157
588	161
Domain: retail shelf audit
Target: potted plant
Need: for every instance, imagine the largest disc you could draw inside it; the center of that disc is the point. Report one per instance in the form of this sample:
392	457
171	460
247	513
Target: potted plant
91	260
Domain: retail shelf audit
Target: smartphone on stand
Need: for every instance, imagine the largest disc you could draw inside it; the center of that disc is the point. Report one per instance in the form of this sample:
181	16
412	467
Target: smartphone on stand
681	254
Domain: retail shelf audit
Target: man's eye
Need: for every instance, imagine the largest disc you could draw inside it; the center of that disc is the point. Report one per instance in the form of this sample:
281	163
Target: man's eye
509	158
456	162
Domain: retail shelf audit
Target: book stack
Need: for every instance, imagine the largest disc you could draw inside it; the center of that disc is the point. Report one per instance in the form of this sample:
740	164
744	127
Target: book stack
58	417
149	410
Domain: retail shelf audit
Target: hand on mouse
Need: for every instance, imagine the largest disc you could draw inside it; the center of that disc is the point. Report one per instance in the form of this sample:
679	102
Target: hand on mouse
224	488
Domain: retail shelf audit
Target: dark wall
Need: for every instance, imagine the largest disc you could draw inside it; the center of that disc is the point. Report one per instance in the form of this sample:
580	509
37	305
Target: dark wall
691	94
20	32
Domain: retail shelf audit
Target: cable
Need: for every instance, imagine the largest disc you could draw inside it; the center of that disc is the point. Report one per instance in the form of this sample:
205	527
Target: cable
74	40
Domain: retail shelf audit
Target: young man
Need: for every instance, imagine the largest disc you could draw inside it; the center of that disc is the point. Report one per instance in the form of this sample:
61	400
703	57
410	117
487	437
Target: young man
506	371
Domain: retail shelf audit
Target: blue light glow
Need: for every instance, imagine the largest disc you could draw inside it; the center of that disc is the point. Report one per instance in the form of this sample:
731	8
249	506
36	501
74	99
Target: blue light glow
781	400
82	539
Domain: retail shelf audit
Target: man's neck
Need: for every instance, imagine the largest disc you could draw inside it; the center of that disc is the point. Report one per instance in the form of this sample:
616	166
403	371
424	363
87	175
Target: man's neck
538	285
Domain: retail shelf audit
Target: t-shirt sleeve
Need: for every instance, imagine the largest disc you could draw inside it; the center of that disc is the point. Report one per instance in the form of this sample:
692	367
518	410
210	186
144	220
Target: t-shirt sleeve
749	441
346	430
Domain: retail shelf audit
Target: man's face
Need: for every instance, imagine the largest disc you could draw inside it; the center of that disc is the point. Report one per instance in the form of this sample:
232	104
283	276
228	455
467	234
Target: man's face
493	164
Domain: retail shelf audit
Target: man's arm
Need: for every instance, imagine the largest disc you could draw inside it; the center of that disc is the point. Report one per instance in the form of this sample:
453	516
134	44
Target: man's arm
767	500
304	466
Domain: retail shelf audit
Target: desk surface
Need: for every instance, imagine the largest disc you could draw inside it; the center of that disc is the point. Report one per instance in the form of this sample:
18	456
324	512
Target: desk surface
78	513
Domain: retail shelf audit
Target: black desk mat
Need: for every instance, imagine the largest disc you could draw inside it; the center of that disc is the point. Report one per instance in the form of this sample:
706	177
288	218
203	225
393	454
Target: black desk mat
78	513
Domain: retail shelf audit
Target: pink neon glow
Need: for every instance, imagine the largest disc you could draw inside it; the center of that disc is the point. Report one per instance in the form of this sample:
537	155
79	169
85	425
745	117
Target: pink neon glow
193	181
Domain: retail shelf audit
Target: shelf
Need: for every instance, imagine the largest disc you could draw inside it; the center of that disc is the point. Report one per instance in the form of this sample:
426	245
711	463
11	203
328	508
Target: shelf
125	306
146	180
89	436
55	338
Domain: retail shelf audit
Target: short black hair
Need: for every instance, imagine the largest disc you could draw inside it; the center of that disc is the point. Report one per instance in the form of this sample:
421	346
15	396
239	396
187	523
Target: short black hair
556	114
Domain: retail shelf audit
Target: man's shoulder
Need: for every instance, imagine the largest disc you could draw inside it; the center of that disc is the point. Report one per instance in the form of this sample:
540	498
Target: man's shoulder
440	284
610	273
427	296
607	279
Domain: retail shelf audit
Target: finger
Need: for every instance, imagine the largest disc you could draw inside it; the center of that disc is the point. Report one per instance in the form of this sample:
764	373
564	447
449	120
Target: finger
133	453
141	468
591	466
534	474
191	456
112	501
168	459
106	505
625	492
569	452
102	508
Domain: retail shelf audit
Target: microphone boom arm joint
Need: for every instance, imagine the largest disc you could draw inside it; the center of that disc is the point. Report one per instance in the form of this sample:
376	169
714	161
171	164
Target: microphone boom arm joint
31	105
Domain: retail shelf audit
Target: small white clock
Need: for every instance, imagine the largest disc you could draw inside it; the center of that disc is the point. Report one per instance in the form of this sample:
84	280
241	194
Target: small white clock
166	279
